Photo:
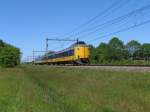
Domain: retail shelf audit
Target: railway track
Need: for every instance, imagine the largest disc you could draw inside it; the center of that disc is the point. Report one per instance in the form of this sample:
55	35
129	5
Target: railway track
131	68
117	65
105	65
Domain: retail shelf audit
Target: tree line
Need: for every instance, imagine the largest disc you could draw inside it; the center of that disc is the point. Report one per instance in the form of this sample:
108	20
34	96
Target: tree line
115	51
9	55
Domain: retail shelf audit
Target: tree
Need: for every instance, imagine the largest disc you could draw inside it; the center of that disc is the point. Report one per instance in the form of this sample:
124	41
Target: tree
115	43
1	44
92	54
116	49
98	54
145	49
133	48
102	52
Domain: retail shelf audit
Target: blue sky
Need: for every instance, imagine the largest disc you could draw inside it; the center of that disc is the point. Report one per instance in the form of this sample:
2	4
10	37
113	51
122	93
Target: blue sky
26	23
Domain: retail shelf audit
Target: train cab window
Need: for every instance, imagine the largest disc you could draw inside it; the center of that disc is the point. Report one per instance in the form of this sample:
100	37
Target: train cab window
81	42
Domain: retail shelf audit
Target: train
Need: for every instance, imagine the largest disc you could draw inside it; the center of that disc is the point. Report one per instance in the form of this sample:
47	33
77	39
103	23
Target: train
76	54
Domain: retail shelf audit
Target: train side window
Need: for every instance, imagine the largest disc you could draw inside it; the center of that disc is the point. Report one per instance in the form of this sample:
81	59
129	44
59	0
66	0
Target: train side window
60	55
68	53
56	56
72	52
65	54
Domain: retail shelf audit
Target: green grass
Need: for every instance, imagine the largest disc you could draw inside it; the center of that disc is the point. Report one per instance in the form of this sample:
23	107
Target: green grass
45	89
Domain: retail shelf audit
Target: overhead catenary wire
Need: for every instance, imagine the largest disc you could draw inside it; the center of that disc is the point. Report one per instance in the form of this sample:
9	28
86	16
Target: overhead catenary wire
117	20
121	19
103	13
88	30
97	32
125	17
114	21
122	30
102	26
115	9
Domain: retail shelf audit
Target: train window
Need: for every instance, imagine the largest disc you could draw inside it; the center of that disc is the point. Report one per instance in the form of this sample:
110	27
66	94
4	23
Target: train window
67	53
81	42
50	56
58	55
55	56
71	52
64	54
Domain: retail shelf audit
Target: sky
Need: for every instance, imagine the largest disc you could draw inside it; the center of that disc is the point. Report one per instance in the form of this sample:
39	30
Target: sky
27	23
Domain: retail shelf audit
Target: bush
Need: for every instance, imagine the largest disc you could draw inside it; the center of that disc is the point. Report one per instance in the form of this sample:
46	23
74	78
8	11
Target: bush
9	56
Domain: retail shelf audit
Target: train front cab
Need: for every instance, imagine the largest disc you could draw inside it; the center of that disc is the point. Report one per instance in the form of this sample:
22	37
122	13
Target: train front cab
81	54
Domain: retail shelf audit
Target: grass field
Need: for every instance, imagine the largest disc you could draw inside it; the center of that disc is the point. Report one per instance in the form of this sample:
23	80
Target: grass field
45	89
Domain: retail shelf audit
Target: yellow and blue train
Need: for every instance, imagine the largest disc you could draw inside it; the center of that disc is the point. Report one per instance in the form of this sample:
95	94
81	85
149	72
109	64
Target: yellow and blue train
78	53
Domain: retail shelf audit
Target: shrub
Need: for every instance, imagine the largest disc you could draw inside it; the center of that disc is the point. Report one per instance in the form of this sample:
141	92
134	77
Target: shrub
9	56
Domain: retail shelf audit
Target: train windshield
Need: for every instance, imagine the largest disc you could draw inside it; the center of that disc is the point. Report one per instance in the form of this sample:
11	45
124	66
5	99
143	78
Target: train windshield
81	42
